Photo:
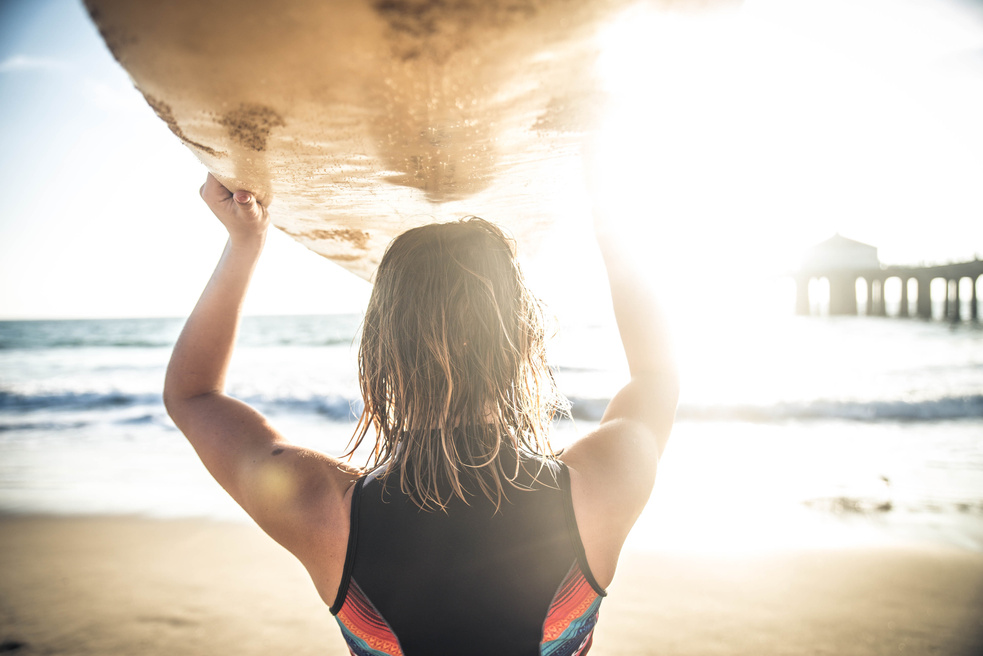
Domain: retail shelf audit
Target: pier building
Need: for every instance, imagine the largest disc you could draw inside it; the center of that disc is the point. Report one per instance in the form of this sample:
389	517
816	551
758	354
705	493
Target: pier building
845	267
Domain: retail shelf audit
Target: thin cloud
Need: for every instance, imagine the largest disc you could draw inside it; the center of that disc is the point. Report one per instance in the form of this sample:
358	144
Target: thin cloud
16	63
968	60
112	97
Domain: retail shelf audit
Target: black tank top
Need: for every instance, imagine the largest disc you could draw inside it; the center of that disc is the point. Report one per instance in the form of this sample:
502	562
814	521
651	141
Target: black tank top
468	581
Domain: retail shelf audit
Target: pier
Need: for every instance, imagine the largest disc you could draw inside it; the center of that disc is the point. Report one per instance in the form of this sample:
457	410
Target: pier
834	271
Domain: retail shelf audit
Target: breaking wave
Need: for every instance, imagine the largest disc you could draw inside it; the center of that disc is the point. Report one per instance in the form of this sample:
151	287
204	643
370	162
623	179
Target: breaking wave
343	408
945	408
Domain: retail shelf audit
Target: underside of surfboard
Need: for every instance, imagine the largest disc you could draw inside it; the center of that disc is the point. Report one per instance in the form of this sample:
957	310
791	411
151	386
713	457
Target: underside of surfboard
363	118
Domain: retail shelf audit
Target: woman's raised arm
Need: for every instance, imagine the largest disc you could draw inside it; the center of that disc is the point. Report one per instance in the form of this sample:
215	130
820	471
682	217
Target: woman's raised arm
650	397
203	351
613	468
296	495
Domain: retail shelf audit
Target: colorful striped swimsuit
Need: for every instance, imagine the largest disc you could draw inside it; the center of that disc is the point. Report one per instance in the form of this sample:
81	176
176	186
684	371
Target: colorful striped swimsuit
471	581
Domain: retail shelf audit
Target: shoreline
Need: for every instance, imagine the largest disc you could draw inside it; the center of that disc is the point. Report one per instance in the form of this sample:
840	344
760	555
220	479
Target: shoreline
125	584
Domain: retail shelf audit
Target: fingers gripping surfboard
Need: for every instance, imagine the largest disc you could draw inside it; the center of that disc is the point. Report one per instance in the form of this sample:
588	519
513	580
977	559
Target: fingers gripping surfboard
363	118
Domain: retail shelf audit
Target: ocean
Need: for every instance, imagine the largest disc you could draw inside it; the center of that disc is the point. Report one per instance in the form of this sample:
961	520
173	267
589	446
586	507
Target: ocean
791	431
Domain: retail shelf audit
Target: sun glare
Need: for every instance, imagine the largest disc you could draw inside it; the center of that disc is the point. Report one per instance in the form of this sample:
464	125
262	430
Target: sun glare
736	139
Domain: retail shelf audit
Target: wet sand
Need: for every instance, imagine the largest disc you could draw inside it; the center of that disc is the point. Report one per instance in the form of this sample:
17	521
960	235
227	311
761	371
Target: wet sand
125	585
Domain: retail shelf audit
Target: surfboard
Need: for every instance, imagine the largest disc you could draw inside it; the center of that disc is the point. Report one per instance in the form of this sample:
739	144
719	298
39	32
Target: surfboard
359	119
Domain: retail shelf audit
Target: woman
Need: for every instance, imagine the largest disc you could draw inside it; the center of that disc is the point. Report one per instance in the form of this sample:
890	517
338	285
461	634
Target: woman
468	535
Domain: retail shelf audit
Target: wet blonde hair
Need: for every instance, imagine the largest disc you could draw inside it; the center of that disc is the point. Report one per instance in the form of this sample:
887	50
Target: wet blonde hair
452	364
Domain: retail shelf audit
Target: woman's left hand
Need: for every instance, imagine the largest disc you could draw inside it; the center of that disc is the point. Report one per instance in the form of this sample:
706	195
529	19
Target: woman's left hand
243	216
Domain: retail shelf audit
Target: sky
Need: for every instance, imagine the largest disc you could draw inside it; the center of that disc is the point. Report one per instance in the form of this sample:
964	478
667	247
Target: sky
741	138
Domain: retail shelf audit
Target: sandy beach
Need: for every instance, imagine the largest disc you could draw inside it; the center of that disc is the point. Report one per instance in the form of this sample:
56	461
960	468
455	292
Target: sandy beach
123	585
